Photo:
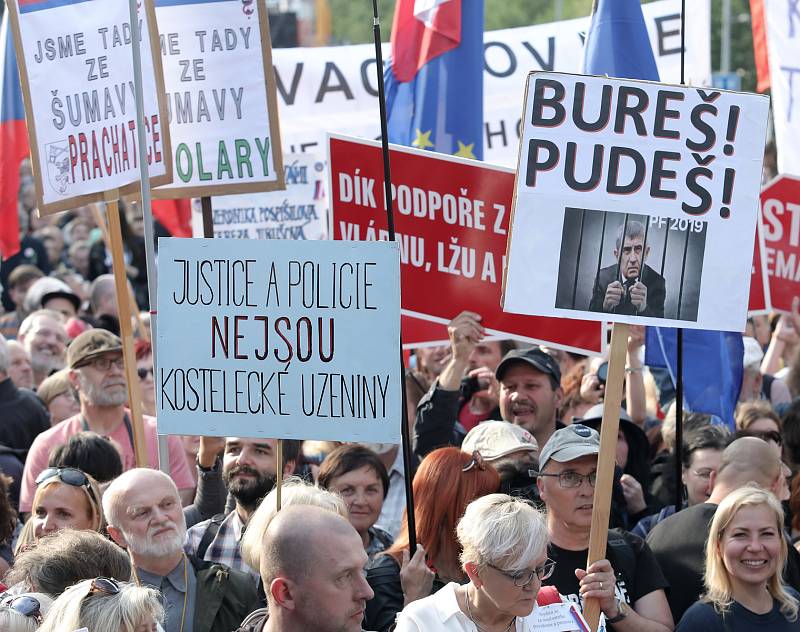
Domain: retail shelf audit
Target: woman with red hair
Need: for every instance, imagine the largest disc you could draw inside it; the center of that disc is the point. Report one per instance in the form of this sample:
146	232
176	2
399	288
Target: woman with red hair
446	481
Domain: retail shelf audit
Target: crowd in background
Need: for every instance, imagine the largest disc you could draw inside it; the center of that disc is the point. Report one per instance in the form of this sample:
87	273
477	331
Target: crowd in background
503	467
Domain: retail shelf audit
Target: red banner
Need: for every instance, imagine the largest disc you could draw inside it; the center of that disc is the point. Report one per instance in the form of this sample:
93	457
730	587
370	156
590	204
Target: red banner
451	218
759	299
780	216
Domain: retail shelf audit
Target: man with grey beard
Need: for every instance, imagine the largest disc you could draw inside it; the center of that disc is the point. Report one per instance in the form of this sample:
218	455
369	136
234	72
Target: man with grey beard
43	336
144	515
97	374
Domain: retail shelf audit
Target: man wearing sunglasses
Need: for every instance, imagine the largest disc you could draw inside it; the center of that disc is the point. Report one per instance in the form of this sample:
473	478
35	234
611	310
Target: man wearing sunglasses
629	584
96	372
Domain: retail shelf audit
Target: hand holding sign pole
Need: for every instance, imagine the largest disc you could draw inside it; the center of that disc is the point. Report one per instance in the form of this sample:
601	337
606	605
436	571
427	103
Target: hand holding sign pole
659	159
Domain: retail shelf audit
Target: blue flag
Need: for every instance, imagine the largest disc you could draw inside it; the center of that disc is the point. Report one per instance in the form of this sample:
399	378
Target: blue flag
712	367
617	45
434	78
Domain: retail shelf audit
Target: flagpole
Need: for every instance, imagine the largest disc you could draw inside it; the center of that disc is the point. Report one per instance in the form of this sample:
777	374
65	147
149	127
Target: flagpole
387	188
147	211
679	341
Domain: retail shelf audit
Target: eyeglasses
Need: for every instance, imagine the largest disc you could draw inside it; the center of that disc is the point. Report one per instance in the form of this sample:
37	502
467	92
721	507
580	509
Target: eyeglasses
143	373
103	363
571	480
69	475
105	585
25	605
523	578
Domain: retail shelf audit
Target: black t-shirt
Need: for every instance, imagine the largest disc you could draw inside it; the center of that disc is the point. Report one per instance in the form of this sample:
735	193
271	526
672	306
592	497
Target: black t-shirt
679	546
635	566
702	617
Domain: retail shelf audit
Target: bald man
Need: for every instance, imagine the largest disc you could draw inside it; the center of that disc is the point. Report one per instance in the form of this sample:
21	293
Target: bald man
679	541
144	515
312	567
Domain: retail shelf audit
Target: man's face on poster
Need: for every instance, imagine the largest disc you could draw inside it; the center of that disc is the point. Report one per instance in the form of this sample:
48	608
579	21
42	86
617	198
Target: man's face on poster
633	255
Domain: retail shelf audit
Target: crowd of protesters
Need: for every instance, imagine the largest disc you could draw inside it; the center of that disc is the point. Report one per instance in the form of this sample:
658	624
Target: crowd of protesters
503	465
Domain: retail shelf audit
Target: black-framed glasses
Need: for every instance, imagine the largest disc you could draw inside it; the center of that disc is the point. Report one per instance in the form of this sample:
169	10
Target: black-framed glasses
523	578
25	605
68	475
143	373
104	363
105	585
571	480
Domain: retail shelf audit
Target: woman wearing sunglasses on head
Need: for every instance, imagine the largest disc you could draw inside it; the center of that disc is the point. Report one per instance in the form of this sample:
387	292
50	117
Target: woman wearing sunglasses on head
105	605
504	555
24	612
65	498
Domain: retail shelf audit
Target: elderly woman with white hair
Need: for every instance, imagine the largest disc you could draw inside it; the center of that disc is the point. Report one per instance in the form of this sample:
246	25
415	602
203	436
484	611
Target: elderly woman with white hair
504	542
105	605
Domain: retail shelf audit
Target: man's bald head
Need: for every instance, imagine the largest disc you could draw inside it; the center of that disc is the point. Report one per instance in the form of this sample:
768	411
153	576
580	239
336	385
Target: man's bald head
295	539
746	460
117	496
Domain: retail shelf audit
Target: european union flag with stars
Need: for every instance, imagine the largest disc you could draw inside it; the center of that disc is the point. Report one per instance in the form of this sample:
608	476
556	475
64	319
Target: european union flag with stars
434	78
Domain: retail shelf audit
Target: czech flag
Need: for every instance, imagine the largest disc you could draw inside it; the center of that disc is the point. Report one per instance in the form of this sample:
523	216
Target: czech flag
434	77
13	143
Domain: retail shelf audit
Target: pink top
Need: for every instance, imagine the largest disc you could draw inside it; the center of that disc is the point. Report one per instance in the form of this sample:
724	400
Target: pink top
39	454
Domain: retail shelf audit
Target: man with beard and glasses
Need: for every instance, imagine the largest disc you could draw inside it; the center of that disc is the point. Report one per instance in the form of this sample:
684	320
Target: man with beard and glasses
249	469
144	515
43	335
96	372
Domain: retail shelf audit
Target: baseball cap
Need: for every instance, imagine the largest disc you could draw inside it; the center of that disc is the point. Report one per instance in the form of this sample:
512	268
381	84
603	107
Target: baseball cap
533	357
570	443
496	439
91	344
48	288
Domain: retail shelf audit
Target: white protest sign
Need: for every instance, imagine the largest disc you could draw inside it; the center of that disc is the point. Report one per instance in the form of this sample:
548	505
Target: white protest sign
298	340
557	617
221	98
299	212
76	71
335	88
677	169
783	44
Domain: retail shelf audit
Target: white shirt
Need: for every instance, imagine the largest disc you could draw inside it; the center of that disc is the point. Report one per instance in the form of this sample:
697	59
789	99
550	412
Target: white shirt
442	613
394	504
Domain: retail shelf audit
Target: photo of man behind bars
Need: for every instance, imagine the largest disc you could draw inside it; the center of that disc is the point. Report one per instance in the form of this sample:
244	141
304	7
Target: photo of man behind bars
631	264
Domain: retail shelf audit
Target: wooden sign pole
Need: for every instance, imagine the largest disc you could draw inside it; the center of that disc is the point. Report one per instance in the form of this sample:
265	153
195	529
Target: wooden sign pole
125	329
101	224
606	460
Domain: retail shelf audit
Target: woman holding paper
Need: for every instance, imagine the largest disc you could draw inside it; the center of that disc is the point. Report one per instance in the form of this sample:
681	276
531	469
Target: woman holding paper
745	555
504	555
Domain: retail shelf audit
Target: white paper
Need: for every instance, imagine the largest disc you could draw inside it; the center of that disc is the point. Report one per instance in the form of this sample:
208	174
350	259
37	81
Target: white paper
285	339
80	71
687	181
